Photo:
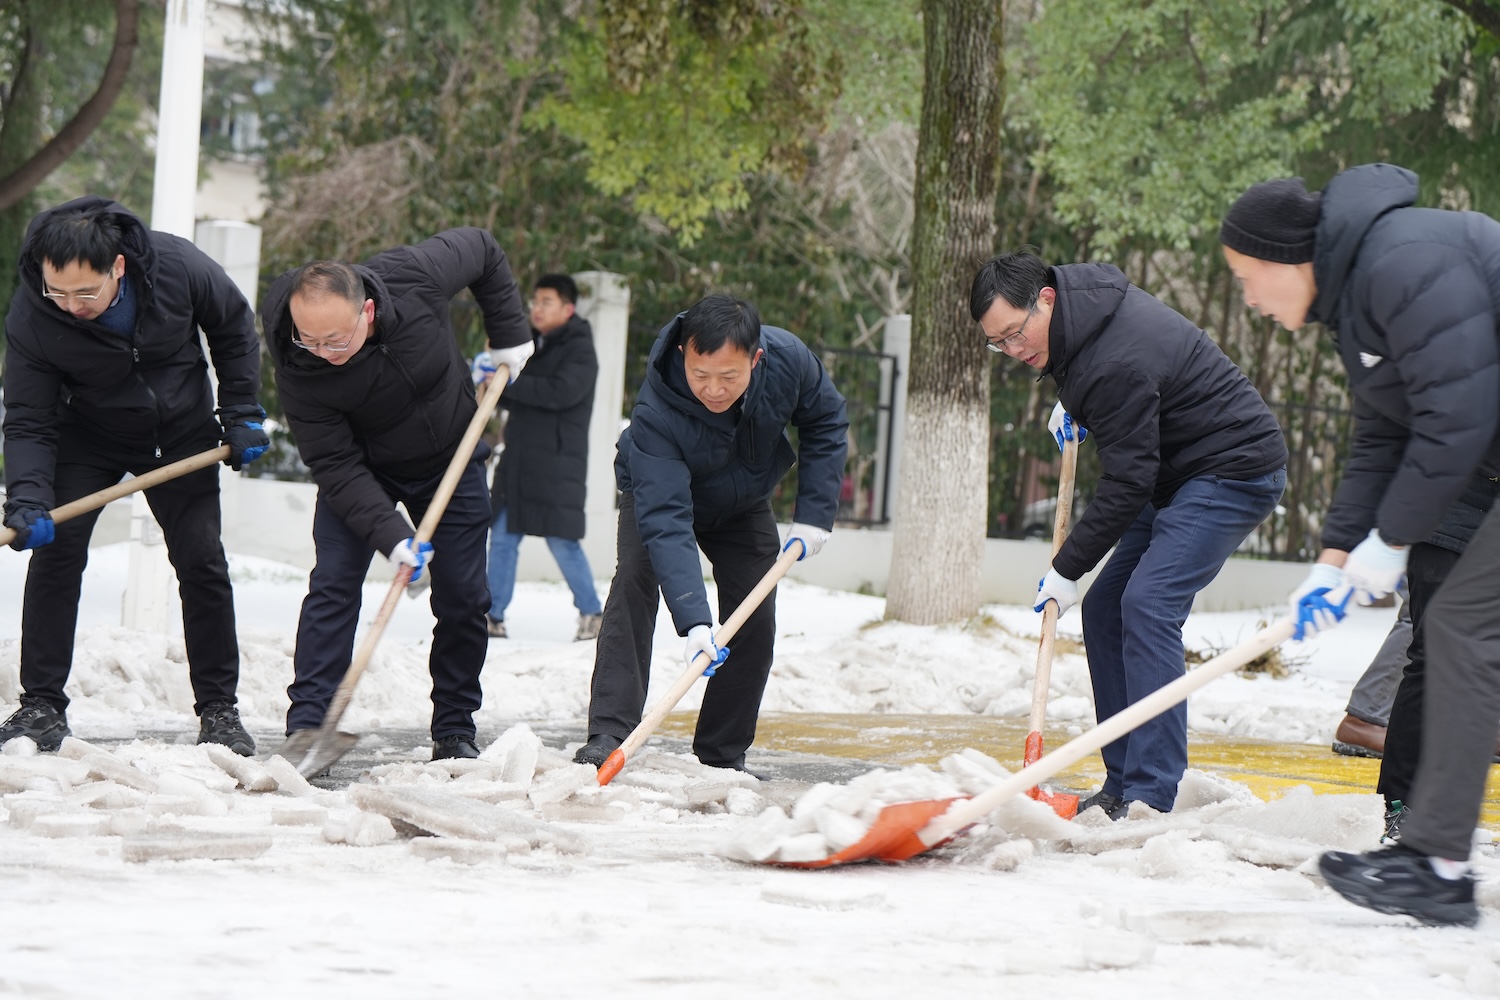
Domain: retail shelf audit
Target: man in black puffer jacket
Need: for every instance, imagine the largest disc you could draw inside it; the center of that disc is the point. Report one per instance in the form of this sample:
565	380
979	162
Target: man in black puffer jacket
105	375
1412	296
705	448
1192	461
379	396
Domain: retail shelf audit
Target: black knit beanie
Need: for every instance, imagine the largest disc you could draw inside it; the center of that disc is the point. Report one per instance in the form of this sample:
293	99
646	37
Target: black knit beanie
1273	221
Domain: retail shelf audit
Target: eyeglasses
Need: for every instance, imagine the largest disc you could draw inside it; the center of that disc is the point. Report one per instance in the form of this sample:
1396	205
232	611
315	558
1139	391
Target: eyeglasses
336	348
74	296
999	346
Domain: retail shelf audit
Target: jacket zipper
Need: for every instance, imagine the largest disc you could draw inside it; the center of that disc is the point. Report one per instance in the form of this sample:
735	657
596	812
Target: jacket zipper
417	396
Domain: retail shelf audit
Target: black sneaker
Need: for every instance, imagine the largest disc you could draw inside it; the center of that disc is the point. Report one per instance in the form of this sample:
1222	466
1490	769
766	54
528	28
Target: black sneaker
597	750
1401	880
220	723
1395	815
1114	807
450	747
494	629
38	719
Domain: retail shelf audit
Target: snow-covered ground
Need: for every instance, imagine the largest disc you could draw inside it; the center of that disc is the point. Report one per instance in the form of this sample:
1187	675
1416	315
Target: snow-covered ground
557	888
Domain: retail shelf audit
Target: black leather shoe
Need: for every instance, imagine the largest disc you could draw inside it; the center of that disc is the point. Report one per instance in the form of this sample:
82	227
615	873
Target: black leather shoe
597	750
450	747
1401	880
220	723
1114	807
36	718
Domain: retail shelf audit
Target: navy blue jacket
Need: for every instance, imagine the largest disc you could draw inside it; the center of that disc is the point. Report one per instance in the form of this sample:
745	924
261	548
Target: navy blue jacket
396	411
1411	295
1161	402
147	393
687	465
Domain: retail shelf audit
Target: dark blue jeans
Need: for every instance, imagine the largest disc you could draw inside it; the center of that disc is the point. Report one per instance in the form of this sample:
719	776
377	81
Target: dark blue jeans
1133	614
460	597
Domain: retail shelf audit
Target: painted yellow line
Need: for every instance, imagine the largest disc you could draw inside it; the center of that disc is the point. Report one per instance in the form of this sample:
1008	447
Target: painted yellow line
1267	767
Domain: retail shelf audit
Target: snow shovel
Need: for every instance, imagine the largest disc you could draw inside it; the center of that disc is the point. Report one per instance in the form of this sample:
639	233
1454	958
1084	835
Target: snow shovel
313	751
1065	804
663	708
126	487
906	829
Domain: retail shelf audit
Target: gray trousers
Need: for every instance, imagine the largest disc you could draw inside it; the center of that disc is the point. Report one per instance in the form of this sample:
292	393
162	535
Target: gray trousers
1375	691
1462	626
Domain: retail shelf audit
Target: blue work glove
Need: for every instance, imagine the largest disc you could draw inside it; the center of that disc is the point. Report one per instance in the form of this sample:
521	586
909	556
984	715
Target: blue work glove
1312	609
700	639
1374	568
244	433
812	539
1056	588
1062	425
410	552
483	367
31	521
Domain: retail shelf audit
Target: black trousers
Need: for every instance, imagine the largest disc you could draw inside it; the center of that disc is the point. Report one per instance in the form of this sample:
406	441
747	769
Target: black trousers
187	508
741	550
460	596
1426	570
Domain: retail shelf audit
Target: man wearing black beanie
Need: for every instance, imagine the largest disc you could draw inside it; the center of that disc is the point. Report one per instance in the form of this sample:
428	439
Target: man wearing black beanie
1412	295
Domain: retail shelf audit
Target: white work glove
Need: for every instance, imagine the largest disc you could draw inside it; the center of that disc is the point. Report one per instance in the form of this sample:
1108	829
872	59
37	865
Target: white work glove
410	552
513	358
1057	588
812	539
1374	568
1311	609
1062	425
483	367
700	639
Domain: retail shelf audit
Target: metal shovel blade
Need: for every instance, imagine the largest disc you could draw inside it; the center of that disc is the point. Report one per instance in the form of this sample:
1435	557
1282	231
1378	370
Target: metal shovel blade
312	752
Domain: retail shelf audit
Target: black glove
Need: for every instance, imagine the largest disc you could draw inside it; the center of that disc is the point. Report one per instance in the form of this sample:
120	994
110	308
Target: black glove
244	434
31	521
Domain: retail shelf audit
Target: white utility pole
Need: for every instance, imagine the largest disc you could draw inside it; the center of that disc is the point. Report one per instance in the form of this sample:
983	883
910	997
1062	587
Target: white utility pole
149	592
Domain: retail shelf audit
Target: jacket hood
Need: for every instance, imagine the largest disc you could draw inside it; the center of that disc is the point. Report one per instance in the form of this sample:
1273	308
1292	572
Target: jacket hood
135	244
1088	295
277	316
667	376
1352	203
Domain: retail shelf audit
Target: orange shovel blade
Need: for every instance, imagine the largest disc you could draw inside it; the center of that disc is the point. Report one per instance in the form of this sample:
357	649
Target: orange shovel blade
1062	803
611	766
892	837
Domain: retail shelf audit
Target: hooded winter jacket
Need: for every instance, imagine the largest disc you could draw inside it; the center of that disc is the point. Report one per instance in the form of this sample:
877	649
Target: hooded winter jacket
542	477
1161	402
687	465
148	392
1411	295
396	411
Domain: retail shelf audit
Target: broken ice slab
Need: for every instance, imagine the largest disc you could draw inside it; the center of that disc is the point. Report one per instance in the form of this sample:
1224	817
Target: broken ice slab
73	748
449	815
23	810
455	767
107	795
102	765
252	777
558	783
185	805
580	812
184	845
298	814
468	852
287	778
490	791
358	829
71	824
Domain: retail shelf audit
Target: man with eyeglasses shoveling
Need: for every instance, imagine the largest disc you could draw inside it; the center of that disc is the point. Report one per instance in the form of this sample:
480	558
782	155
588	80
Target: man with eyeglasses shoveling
104	376
379	398
1191	462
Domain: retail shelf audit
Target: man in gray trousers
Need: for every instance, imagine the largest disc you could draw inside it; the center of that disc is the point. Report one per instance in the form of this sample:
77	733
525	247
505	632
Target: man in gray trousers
1413	295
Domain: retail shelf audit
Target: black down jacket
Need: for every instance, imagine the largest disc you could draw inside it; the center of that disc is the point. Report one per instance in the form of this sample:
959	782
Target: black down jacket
396	411
686	464
542	475
1411	295
1161	402
147	393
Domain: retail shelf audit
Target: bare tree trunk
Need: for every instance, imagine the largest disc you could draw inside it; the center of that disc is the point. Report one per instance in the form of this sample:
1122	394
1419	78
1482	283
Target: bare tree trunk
20	182
940	518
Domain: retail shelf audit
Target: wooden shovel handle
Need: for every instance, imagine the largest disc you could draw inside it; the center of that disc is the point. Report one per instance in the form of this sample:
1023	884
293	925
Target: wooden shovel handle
689	677
488	400
124	488
1060	523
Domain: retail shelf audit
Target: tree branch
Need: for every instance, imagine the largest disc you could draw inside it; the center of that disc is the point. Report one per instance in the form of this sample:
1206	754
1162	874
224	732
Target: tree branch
1480	12
25	178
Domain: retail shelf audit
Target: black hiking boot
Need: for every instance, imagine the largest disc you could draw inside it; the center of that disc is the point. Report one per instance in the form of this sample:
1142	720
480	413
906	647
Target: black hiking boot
39	720
220	723
1114	807
1401	880
597	750
450	747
